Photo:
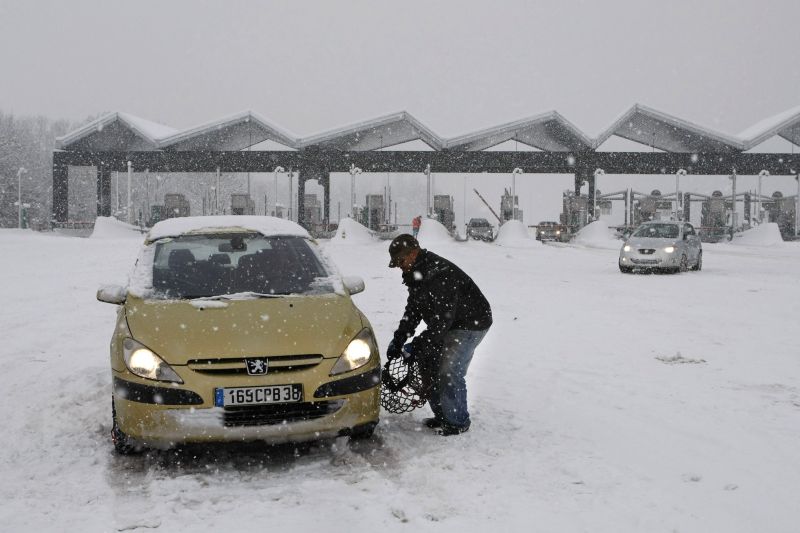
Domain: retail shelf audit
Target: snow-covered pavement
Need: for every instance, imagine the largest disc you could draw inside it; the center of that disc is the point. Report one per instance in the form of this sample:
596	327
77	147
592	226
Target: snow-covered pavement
600	402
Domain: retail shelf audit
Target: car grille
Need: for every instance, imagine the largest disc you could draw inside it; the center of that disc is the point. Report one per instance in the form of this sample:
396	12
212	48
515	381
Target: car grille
267	415
645	261
236	365
647	251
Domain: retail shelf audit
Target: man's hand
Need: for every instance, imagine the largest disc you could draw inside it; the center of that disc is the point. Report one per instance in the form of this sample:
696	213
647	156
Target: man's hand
393	351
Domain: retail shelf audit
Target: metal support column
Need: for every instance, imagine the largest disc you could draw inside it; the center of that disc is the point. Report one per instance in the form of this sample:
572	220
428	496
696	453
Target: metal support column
103	190
325	181
60	190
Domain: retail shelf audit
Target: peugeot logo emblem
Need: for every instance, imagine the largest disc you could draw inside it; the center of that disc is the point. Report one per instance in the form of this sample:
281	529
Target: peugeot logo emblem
257	367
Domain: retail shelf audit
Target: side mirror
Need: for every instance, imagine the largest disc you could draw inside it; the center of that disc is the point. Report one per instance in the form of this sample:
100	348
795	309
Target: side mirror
112	294
353	284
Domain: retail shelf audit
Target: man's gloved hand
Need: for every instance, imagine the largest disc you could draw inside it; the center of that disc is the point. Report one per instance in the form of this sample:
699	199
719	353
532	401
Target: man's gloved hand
393	351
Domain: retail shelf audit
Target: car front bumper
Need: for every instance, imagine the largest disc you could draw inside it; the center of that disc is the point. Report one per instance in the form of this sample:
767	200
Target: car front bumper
162	416
658	259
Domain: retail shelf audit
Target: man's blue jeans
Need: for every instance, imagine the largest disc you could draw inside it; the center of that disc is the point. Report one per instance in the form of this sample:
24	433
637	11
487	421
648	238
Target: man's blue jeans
448	396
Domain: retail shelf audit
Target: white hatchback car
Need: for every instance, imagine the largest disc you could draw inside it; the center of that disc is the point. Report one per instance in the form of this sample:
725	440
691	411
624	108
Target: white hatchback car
665	246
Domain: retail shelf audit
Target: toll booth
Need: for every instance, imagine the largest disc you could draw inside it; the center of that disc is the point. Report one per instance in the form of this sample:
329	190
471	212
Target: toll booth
651	207
175	205
374	211
574	210
507	205
715	211
312	215
782	210
242	204
603	203
443	210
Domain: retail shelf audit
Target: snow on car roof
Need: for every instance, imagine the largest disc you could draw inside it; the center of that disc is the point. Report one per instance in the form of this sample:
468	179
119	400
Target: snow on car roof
269	226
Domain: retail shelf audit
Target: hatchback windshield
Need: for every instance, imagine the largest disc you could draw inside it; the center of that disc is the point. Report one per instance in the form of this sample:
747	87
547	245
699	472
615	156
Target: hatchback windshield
194	266
657	231
479	222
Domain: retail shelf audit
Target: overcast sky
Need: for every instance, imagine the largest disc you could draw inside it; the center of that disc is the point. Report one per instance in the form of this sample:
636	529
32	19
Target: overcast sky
458	66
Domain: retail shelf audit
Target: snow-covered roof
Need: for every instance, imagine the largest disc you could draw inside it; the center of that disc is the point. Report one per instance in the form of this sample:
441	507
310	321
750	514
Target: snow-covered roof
269	226
235	132
374	134
116	131
785	124
658	129
548	131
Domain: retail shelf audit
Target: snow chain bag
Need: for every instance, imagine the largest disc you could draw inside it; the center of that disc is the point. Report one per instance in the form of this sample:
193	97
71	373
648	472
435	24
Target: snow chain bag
402	388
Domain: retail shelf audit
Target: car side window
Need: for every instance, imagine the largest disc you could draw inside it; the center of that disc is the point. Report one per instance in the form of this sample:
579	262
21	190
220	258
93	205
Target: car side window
688	229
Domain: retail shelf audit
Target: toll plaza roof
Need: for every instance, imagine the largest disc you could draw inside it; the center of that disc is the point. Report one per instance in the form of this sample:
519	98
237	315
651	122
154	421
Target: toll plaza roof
655	128
785	124
549	132
236	132
382	132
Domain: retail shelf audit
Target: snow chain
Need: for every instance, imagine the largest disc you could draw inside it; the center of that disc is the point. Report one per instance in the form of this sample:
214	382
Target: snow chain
402	389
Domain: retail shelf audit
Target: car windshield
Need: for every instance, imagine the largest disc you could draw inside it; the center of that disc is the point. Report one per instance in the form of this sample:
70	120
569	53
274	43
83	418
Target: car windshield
657	231
195	266
479	222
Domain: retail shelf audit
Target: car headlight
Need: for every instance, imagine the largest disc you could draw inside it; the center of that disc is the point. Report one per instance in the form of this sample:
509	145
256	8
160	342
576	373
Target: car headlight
357	353
144	363
669	249
626	248
558	232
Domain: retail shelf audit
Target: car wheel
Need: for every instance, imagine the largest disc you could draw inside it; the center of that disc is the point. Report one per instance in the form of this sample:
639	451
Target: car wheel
625	269
123	444
699	265
684	264
363	432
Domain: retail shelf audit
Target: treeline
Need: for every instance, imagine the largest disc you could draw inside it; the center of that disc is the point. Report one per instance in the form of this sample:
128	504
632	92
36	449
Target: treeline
28	142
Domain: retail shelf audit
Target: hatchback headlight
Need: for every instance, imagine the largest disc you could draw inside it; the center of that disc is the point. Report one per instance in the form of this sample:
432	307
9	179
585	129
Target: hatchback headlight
357	353
669	249
626	248
141	361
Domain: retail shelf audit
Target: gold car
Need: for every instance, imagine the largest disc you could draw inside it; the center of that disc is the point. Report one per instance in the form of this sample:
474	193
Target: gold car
237	329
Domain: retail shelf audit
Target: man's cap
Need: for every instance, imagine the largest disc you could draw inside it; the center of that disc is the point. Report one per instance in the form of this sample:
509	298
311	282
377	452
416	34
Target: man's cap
400	246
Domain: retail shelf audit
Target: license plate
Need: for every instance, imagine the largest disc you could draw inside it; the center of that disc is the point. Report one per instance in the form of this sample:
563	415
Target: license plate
225	397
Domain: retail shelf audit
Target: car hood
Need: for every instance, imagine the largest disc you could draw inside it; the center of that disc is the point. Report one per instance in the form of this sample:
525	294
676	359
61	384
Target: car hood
182	330
649	242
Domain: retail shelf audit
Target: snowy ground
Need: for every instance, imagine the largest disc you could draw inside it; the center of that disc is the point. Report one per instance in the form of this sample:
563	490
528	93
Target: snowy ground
600	402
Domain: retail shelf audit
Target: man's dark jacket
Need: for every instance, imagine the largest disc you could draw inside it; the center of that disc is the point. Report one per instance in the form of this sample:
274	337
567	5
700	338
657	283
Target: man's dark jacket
444	297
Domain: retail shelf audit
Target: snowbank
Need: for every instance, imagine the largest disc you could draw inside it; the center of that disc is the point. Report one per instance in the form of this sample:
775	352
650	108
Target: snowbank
597	235
513	233
433	232
351	232
111	228
763	235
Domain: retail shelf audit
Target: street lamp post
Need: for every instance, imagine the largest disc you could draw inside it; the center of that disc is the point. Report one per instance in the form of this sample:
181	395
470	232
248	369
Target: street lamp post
514	192
597	173
762	174
291	193
128	209
19	195
427	172
678	174
354	171
277	169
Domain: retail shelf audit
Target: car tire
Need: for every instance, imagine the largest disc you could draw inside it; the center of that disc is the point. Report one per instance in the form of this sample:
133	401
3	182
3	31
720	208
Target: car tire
625	269
123	444
684	264
699	266
364	431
